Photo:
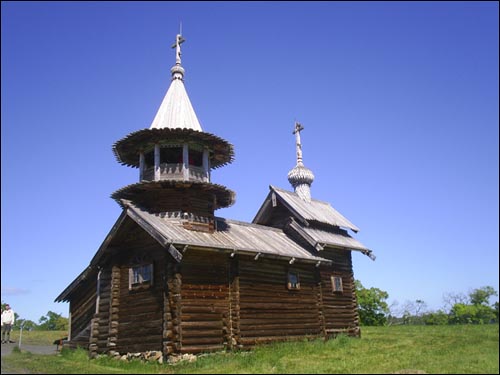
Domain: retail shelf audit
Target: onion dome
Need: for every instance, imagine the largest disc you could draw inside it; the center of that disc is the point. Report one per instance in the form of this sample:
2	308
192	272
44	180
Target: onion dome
300	177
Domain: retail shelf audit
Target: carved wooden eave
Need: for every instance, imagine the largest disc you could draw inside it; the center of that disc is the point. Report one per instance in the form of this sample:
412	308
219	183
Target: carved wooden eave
159	194
127	149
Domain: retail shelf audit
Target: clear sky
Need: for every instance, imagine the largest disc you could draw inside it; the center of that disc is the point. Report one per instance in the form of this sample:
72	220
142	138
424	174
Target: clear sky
399	102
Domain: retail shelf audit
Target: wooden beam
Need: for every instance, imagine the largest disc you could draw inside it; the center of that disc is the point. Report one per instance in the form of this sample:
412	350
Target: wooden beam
206	164
141	166
157	162
185	161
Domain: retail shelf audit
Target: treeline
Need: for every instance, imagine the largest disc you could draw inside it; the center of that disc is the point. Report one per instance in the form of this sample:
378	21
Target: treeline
471	308
49	322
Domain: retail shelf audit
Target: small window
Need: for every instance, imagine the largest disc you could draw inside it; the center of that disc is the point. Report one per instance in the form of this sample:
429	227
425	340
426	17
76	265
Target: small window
171	155
140	276
337	284
293	281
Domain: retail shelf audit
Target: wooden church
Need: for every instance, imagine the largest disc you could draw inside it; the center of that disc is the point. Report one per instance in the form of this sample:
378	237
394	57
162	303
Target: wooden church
172	277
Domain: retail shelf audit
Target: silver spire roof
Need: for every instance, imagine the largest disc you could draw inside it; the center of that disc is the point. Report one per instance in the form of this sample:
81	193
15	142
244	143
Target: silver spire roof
176	110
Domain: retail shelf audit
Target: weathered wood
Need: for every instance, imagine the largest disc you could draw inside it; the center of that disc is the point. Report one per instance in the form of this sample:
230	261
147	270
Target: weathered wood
185	161
157	161
201	348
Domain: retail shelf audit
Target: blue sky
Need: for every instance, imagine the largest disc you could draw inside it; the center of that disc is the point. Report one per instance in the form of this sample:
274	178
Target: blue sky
399	102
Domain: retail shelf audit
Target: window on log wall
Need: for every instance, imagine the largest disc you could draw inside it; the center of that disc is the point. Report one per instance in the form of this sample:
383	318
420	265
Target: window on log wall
293	281
140	276
337	286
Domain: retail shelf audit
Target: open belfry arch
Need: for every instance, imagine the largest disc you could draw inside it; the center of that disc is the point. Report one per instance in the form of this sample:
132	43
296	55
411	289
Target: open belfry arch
172	277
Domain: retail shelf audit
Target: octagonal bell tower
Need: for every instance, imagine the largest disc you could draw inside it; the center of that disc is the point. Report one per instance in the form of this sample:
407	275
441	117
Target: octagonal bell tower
175	158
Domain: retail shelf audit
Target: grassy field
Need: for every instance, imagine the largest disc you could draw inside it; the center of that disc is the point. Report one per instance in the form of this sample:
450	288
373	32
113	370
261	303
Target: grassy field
37	337
383	350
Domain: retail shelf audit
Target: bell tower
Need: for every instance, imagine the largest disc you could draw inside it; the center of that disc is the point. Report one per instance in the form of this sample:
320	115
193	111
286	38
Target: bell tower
175	157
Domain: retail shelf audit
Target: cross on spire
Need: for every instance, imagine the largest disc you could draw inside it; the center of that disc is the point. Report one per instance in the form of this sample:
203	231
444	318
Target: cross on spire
177	45
297	130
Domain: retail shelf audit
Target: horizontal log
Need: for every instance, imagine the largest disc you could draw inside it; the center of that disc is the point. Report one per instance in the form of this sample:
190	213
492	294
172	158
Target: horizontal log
244	315
200	316
271	306
136	324
278	285
200	324
202	340
279	326
200	348
211	287
141	341
136	303
128	317
217	304
262	331
298	299
202	333
204	295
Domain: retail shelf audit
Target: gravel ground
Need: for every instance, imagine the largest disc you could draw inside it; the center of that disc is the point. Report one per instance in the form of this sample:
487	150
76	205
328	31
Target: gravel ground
36	349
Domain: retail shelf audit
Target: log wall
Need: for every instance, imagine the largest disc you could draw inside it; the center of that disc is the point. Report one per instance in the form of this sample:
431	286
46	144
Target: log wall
204	323
268	311
140	313
339	309
100	326
82	308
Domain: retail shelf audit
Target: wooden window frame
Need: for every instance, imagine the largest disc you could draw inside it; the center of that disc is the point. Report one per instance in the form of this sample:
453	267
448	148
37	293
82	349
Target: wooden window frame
290	285
337	284
145	283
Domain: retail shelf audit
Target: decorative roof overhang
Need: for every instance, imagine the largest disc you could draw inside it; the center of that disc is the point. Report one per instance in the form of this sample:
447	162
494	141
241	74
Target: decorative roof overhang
324	238
127	149
150	193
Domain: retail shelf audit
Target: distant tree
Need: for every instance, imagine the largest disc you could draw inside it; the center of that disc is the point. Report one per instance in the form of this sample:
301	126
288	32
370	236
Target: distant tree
477	310
53	322
495	308
413	311
472	314
27	324
435	318
372	305
450	299
481	296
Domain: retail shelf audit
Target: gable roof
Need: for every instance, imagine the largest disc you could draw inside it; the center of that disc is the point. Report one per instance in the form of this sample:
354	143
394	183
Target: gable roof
230	235
315	222
303	211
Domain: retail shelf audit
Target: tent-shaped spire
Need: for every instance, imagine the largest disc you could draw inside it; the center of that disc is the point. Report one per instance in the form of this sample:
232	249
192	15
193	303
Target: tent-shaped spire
176	110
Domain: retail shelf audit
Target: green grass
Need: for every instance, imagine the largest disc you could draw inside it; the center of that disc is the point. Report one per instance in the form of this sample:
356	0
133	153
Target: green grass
401	349
38	337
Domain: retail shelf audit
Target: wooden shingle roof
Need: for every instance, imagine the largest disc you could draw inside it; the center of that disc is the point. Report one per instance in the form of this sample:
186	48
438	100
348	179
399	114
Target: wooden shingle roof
315	210
230	235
